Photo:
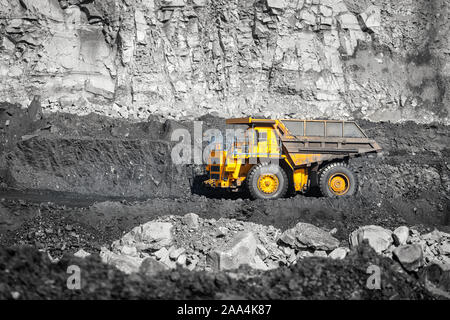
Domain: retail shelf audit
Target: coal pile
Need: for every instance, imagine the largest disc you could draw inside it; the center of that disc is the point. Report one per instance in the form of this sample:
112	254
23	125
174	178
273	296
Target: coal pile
315	278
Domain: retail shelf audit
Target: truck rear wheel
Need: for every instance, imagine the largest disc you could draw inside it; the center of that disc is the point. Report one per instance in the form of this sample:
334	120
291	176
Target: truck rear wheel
337	180
267	181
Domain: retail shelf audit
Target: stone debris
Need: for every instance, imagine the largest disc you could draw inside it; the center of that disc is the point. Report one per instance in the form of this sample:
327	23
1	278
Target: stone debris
379	238
304	236
400	235
434	246
199	244
371	19
225	244
241	251
152	235
81	254
410	256
150	266
191	220
126	264
339	253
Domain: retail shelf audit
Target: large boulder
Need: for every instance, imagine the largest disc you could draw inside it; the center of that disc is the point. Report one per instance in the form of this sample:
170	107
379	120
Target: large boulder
444	248
400	235
240	251
410	256
379	239
191	220
150	267
307	236
152	235
124	263
371	18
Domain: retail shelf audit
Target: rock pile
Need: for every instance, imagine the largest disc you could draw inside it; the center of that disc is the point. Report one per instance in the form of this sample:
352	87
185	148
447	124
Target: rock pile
224	244
406	246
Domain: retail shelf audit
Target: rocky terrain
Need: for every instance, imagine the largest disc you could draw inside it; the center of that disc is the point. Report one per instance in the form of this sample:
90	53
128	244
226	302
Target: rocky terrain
374	59
91	185
92	92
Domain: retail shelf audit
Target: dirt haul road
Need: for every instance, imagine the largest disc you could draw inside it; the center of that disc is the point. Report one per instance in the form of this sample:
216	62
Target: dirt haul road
71	183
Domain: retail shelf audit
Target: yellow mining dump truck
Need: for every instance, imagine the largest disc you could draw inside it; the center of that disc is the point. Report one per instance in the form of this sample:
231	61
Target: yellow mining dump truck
271	158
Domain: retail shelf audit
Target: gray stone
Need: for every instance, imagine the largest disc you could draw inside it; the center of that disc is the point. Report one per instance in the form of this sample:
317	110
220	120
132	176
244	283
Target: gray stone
174	254
173	3
262	251
199	3
181	260
325	11
320	254
192	263
400	235
379	238
304	254
92	13
241	251
47	8
81	254
444	248
432	237
339	253
222	232
410	256
141	26
128	250
104	86
124	263
151	235
348	21
276	4
305	235
191	220
258	264
371	18
308	17
161	253
151	267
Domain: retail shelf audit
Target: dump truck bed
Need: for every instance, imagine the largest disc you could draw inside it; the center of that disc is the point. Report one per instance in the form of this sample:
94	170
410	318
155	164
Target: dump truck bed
309	142
316	141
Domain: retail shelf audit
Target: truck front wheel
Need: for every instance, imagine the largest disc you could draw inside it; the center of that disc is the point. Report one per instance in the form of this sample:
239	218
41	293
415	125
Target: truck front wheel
267	181
337	180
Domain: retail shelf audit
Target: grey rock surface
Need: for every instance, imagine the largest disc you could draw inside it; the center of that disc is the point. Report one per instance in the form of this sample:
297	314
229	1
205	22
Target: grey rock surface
381	60
307	236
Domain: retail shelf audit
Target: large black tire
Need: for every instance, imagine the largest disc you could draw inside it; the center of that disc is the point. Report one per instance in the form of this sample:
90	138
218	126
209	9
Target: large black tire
337	180
267	181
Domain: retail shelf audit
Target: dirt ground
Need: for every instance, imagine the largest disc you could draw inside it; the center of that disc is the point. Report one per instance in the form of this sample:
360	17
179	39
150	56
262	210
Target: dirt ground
70	183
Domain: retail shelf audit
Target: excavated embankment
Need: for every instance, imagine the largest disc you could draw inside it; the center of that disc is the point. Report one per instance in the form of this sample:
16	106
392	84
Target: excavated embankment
95	156
57	172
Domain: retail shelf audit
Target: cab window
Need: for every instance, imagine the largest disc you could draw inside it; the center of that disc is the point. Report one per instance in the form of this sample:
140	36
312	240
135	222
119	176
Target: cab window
262	136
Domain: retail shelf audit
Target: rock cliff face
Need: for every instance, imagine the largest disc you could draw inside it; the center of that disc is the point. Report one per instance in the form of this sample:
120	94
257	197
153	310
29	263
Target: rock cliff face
374	59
